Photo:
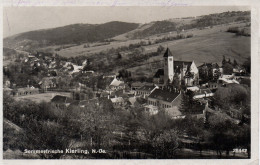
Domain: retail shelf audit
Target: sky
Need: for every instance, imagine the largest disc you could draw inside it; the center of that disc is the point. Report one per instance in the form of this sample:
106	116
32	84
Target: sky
22	19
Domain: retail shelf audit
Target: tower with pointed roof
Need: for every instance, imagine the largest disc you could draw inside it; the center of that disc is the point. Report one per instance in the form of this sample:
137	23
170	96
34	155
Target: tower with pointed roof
168	66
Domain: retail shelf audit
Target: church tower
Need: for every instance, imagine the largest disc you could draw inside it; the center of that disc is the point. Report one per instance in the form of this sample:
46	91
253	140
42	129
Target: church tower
168	66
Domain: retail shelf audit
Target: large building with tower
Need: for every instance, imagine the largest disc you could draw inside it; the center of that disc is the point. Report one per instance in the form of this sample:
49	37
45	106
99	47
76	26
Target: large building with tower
181	72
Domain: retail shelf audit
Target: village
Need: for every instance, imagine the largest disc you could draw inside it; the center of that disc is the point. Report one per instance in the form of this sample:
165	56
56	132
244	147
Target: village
165	92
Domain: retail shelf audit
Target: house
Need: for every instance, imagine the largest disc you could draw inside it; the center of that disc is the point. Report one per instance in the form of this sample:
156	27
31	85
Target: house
48	83
131	101
164	98
116	84
227	79
145	90
76	68
194	88
184	71
239	69
117	101
25	91
61	101
209	69
203	93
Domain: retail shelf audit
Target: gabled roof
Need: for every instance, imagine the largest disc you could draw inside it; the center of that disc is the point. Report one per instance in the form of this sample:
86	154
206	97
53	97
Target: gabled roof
116	82
165	95
167	53
132	100
117	100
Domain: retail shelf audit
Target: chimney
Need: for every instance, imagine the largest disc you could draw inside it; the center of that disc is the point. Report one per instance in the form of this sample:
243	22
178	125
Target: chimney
108	96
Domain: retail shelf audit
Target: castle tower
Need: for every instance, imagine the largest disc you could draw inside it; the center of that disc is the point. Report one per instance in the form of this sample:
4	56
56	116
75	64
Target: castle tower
168	66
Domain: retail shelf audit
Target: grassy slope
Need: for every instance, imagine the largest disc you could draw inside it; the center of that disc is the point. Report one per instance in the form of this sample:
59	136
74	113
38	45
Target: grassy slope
205	48
71	34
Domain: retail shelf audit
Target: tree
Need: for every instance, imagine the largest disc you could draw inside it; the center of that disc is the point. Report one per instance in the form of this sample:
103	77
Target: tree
119	56
184	106
176	83
226	135
235	63
247	65
224	60
227	68
216	74
160	49
229	61
93	123
165	144
153	126
232	95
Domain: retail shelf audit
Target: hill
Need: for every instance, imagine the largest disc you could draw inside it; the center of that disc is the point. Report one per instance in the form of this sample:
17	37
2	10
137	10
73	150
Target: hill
203	48
180	24
71	34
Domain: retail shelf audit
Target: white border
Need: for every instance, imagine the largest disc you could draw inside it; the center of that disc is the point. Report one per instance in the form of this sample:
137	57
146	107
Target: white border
255	16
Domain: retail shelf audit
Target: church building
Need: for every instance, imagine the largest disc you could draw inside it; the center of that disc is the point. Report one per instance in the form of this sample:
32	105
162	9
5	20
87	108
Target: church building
176	72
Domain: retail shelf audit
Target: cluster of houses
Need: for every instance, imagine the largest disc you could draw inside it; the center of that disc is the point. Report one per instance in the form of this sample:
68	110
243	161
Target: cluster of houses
56	70
164	93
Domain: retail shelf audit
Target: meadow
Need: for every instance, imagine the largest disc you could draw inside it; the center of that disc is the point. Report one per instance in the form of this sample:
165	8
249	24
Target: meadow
46	97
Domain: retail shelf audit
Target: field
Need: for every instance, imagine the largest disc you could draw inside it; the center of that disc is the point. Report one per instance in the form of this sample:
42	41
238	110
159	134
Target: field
46	97
207	45
121	41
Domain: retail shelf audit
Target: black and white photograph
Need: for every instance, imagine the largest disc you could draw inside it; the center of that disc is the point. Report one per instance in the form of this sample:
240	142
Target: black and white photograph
127	82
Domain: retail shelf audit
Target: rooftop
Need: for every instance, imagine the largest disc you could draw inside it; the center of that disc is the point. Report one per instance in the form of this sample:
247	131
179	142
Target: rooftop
117	100
164	94
147	88
167	53
202	92
116	82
